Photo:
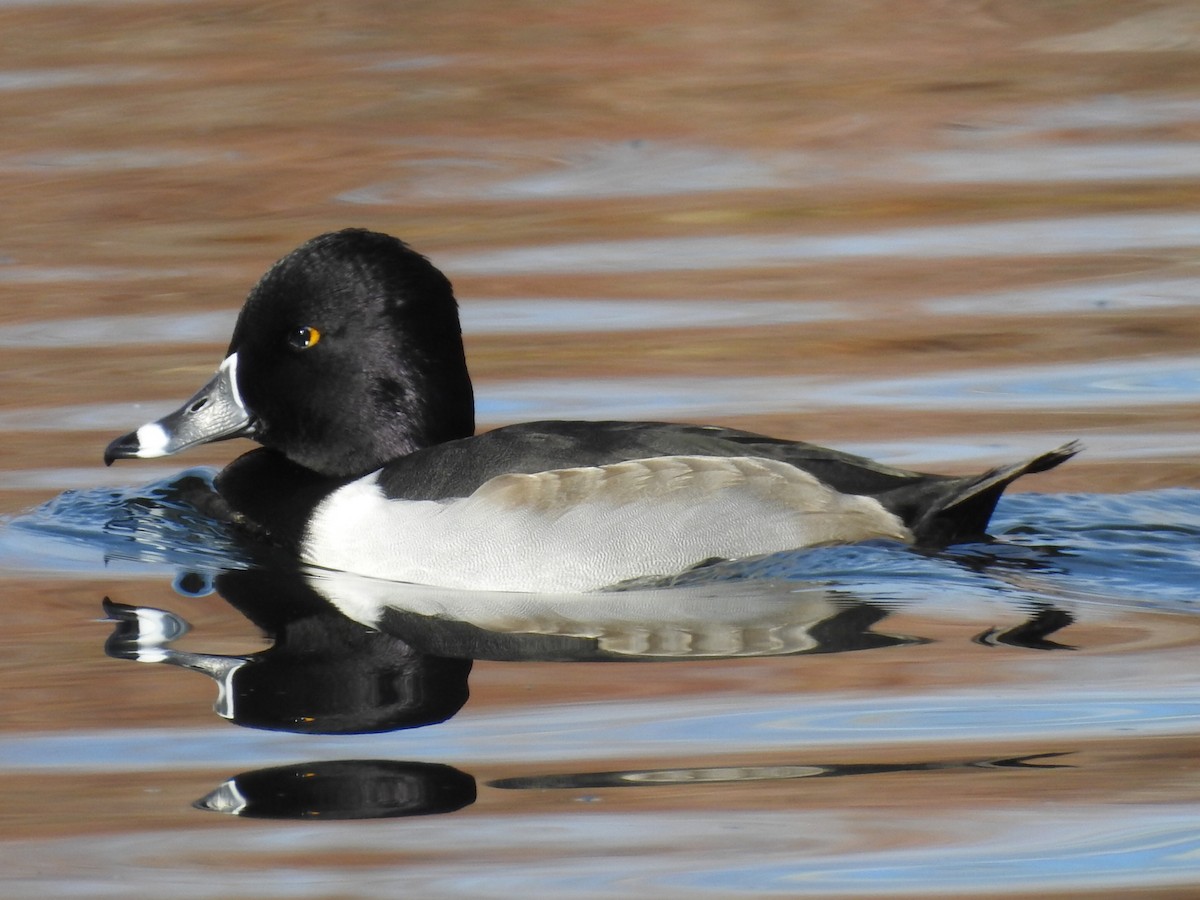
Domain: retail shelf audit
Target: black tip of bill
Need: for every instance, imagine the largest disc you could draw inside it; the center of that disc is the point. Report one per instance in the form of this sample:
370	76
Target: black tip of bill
124	447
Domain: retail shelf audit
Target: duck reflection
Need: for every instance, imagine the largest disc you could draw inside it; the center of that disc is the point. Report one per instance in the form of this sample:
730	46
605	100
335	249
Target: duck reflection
351	655
393	667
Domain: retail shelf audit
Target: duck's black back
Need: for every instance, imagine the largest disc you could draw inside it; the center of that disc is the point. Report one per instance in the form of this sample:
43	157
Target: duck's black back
457	468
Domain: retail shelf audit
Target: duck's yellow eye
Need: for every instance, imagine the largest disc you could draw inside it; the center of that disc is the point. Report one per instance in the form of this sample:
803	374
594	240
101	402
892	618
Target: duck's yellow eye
304	338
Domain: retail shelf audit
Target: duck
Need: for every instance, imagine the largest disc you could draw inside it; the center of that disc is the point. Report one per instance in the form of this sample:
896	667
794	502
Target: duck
346	365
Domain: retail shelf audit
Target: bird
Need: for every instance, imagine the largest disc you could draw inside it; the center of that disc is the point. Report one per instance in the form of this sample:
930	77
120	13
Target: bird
347	366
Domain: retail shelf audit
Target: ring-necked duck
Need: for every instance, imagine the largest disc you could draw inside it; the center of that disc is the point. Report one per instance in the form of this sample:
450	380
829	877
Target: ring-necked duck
347	365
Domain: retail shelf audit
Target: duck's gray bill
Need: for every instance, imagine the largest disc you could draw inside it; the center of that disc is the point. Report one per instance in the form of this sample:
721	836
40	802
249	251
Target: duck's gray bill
215	413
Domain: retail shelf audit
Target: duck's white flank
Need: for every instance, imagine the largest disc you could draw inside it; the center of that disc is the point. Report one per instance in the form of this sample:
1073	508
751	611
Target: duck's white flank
585	528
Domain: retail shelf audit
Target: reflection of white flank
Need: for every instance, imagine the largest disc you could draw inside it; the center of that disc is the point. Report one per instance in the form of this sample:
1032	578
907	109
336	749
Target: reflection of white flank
718	620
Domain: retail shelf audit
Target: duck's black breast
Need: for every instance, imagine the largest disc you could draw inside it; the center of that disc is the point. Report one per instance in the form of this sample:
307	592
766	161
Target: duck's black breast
266	494
457	468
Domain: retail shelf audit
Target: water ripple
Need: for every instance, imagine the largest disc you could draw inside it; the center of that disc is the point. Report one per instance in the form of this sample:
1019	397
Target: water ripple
1039	237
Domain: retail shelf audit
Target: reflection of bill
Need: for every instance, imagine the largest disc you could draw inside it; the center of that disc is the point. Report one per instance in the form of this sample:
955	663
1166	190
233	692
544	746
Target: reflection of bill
322	674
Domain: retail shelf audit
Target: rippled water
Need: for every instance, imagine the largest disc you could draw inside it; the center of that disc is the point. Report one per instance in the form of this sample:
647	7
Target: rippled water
1095	234
945	241
1000	702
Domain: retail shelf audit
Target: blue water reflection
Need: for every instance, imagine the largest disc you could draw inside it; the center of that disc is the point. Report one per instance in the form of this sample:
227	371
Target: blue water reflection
1110	575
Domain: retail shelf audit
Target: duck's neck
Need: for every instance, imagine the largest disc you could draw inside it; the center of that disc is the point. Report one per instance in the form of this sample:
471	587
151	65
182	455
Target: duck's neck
271	497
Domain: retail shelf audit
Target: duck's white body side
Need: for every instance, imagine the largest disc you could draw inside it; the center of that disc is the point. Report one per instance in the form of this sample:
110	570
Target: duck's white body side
581	529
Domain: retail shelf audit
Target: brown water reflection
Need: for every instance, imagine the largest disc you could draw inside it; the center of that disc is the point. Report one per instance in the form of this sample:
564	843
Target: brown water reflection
890	196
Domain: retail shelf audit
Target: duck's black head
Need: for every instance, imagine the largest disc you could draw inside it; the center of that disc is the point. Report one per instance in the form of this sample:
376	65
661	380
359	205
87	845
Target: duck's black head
347	354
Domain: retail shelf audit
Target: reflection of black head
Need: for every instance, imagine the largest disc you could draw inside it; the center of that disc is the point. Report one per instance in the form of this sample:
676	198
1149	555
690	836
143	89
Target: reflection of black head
344	789
324	673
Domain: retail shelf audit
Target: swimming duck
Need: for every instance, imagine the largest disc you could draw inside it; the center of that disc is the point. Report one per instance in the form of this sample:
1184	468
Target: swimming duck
346	364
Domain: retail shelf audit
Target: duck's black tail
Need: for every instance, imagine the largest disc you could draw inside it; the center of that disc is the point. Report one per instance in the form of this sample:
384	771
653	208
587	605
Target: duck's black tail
947	511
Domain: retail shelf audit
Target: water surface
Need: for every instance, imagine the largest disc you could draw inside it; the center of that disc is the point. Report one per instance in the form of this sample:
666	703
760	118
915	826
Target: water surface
944	241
